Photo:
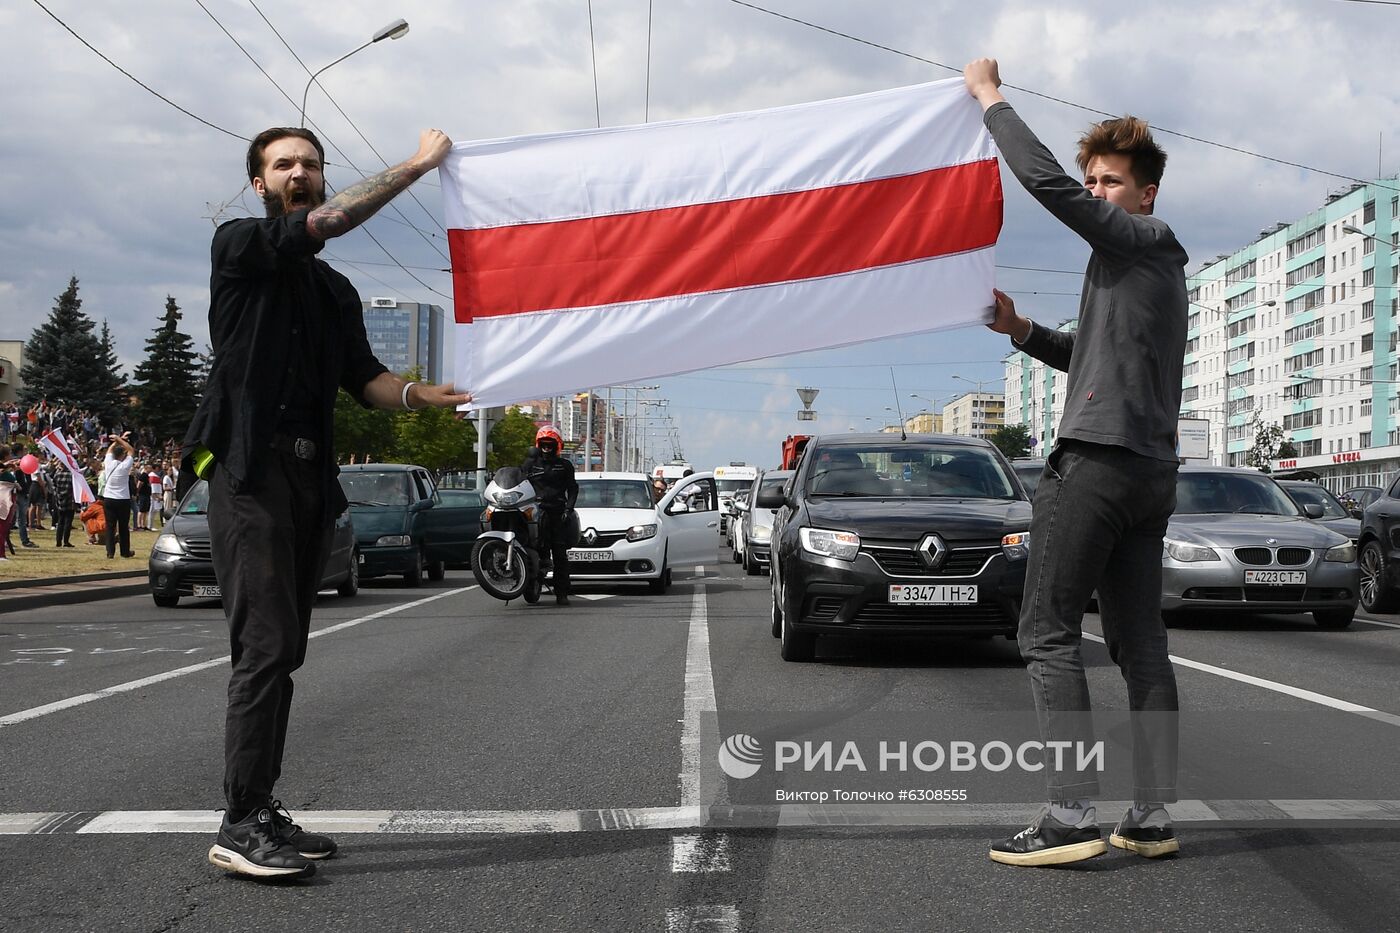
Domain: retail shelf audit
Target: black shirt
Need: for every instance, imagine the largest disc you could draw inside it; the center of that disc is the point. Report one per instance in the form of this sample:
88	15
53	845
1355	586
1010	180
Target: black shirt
273	305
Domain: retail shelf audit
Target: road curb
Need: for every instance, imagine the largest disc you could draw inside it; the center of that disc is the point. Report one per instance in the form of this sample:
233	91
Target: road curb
69	594
75	578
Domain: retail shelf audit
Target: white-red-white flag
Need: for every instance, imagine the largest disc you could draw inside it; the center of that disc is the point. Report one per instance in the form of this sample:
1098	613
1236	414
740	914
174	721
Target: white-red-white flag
55	443
610	255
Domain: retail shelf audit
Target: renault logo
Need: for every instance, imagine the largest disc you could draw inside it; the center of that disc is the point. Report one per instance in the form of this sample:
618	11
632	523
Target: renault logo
932	551
590	537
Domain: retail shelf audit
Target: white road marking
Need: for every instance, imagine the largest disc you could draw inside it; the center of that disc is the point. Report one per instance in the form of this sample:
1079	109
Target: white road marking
694	852
715	918
594	596
1376	622
1345	706
1243	813
699	778
60	705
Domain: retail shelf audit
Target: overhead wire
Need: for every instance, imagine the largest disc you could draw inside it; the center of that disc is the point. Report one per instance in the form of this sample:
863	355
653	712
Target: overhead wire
1059	100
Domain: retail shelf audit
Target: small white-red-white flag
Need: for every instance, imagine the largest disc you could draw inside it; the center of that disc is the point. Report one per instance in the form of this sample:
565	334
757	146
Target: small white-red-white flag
55	443
603	256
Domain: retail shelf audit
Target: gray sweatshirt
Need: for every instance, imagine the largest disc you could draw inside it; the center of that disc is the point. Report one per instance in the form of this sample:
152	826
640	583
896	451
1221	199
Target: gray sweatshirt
1124	362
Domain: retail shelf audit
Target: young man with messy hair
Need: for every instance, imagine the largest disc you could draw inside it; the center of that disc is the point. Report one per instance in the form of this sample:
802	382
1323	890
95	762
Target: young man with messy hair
1109	486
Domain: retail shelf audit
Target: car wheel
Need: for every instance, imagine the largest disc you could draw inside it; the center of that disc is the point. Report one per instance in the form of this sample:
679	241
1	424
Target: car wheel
735	555
1376	596
436	570
165	602
351	584
752	567
1172	617
1333	618
795	645
777	611
662	581
414	577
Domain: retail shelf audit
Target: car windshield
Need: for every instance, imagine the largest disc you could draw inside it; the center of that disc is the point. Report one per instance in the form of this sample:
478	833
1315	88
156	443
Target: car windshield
1217	493
733	485
614	494
464	498
908	471
1309	494
365	488
196	500
1029	474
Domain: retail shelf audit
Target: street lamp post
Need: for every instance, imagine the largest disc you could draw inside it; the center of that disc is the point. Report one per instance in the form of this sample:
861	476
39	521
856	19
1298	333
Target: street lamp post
395	30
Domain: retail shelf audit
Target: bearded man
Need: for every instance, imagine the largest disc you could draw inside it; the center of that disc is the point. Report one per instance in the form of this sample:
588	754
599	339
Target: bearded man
287	330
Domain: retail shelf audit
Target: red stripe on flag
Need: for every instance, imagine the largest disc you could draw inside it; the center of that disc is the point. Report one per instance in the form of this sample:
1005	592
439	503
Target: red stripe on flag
730	244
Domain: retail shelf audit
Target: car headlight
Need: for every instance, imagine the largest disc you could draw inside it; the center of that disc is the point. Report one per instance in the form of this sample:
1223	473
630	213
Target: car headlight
1187	553
167	543
765	532
1017	545
394	541
1342	553
641	532
843	545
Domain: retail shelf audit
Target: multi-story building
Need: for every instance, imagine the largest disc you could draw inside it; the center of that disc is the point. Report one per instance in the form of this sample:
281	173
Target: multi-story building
975	414
1297	329
1035	395
924	423
406	335
11	359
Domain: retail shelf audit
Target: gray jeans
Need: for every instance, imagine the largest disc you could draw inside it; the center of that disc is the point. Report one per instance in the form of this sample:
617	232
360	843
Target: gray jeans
1100	514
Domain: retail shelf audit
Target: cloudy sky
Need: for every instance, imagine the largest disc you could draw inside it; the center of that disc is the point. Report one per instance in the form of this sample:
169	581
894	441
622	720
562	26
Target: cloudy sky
105	181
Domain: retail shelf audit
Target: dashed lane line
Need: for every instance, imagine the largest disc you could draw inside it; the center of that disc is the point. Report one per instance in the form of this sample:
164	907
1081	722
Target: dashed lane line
1320	699
1222	813
25	715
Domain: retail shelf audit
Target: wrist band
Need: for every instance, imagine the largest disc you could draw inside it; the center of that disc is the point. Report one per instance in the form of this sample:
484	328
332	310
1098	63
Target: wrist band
403	399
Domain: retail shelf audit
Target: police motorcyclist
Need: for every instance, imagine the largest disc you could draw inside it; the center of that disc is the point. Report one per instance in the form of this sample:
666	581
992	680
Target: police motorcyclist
552	476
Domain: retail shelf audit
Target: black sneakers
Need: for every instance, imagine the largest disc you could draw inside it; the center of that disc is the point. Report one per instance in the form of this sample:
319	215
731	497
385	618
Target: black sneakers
561	599
256	846
1148	834
1047	841
308	845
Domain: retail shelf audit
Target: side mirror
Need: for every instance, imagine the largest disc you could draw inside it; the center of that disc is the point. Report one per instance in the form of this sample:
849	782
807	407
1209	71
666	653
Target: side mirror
421	505
1313	510
1357	513
677	507
770	499
740	505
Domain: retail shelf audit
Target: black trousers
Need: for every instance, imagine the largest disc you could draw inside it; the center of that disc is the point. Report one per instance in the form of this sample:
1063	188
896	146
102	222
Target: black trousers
118	515
62	527
553	532
269	544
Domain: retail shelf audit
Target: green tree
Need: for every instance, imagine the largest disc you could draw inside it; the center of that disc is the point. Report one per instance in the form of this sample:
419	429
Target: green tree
113	400
511	439
361	433
1268	444
166	385
59	356
435	438
1013	440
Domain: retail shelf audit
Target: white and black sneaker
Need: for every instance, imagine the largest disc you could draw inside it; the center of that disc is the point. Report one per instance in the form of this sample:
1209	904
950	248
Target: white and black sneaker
1146	831
1047	841
256	846
309	845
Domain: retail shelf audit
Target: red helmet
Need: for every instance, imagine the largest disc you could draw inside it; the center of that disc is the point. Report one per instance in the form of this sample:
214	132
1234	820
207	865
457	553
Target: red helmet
549	432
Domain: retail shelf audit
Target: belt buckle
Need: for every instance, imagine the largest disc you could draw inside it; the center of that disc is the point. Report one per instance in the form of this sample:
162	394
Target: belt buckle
304	448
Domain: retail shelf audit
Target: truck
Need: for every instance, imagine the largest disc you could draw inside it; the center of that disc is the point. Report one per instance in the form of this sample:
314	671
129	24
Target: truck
672	471
792	450
734	479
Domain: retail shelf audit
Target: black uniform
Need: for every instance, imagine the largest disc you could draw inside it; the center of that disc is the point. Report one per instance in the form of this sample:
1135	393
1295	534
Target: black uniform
553	479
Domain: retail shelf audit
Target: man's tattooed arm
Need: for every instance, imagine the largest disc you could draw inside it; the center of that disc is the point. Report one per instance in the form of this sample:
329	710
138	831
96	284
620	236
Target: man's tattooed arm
358	203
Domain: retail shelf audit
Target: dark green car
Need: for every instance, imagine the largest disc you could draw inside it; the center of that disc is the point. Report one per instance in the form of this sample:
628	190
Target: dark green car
404	525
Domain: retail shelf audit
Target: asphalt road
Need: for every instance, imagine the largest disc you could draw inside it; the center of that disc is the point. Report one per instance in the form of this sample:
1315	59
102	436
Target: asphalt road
491	767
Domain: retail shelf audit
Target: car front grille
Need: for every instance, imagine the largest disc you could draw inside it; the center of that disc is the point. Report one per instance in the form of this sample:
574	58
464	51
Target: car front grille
199	548
588	568
194	578
959	562
605	539
1263	557
1265	594
988	614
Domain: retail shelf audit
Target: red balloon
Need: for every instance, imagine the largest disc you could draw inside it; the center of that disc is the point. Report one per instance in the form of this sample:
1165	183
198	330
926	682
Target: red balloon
29	464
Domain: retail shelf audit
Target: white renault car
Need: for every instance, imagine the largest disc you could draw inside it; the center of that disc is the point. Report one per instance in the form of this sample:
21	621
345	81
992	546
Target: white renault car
624	538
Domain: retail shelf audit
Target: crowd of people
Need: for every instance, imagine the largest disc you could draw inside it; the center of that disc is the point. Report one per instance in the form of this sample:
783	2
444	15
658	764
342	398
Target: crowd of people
132	477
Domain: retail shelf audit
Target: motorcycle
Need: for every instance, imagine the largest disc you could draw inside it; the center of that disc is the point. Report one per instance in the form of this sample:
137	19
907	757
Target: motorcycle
505	558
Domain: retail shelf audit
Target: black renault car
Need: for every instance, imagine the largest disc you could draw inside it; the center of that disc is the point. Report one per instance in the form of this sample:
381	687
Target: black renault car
878	534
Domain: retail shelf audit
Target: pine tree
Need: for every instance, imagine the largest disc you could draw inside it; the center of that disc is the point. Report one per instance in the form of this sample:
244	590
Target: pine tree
166	385
58	359
110	400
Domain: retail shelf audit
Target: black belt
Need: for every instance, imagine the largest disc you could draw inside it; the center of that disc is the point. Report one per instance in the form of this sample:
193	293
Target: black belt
303	448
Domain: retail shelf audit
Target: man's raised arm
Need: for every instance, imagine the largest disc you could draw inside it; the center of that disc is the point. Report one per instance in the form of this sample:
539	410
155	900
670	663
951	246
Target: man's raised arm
358	203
